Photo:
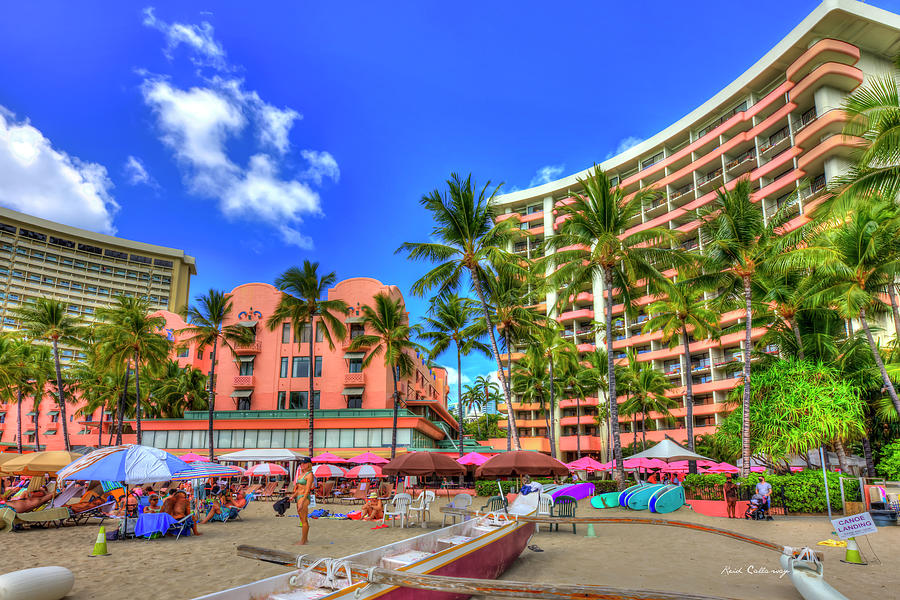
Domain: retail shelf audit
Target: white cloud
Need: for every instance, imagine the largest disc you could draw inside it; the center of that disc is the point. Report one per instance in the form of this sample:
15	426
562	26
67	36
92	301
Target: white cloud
136	173
452	377
321	164
40	180
199	38
624	144
546	174
198	124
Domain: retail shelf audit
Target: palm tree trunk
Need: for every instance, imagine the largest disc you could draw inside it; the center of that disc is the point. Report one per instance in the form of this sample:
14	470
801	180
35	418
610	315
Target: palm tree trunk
37	416
688	396
61	398
842	456
867	452
578	427
884	376
508	370
552	429
311	402
459	404
211	401
137	391
634	430
618	472
892	293
504	382
796	329
100	428
121	410
644	431
396	412
19	409
745	405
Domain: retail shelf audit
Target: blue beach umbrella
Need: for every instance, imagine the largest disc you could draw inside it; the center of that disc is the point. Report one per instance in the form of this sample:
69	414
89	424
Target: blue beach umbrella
130	464
202	471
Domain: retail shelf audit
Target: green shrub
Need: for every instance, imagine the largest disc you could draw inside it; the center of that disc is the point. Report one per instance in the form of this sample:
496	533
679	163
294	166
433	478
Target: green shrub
804	492
488	487
889	464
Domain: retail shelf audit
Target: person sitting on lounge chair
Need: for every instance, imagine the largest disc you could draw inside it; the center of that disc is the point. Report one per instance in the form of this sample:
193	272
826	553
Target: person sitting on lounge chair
83	505
178	505
152	504
129	504
222	509
29	502
373	509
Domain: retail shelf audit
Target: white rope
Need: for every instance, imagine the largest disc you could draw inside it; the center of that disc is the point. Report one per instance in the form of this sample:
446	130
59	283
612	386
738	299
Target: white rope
332	569
297	580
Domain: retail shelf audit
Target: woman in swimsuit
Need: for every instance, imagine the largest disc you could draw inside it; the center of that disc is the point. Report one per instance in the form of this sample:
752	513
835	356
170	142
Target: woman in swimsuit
302	493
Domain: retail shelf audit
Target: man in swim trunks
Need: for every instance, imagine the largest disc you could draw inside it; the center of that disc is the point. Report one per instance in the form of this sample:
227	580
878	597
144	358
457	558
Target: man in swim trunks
302	493
30	502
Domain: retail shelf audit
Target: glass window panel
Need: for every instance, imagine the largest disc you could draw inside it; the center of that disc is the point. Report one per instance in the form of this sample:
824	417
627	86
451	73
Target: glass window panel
318	438
286	333
198	440
264	440
356	365
403	437
332	437
161	439
305	333
284	366
250	437
346	439
148	438
361	438
278	438
185	441
374	438
320	332
291	438
300	367
225	438
318	372
237	438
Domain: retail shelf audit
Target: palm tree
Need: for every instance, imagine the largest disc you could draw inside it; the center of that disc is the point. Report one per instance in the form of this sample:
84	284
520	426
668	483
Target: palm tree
12	367
91	378
453	321
469	241
788	294
390	336
592	244
593	380
549	342
739	242
303	303
855	260
47	319
575	383
207	328
681	312
39	370
177	390
532	384
129	334
646	388
481	393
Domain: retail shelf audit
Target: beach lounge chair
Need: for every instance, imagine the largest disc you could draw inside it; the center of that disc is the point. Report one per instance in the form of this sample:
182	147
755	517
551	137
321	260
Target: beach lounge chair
356	495
65	496
563	506
397	507
324	494
43	516
422	507
181	527
460	501
103	511
266	492
385	491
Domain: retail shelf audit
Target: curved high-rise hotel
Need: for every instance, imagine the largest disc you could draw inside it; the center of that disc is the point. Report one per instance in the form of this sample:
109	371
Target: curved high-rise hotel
779	125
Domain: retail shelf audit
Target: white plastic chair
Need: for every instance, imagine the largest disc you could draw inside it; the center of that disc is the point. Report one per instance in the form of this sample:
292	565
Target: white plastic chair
422	506
545	506
459	501
397	507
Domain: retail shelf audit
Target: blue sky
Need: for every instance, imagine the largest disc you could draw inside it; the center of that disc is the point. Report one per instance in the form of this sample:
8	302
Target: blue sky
256	139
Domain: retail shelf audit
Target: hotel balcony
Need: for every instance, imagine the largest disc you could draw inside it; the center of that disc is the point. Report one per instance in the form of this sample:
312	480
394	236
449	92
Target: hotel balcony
243	381
355	379
251	348
775	144
710	180
741	164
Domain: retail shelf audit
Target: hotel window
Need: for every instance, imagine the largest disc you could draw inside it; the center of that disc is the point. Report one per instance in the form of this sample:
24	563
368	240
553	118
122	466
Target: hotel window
199	354
281	398
298	401
535	208
246	367
305	333
54	418
243	404
354	401
183	352
284	366
285	334
320	332
356	365
356	330
318	371
300	367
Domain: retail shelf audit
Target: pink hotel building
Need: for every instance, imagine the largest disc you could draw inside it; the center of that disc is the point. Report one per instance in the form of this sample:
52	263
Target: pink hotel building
779	125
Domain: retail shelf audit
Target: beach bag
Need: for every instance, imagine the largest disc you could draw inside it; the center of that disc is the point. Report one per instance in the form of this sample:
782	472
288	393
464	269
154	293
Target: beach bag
281	506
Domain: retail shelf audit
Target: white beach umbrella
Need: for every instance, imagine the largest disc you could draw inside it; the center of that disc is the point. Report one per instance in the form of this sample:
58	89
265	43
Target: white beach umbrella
668	451
326	471
265	469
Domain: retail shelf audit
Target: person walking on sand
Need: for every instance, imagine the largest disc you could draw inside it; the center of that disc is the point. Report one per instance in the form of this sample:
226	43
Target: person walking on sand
764	489
301	494
730	497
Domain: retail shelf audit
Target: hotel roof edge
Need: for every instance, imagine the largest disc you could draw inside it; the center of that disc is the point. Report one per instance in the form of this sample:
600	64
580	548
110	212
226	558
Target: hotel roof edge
805	27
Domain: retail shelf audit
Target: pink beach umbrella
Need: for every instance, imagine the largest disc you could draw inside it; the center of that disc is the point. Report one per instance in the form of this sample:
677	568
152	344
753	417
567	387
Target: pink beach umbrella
265	469
364	472
328	457
326	471
472	458
368	458
191	458
795	469
757	469
585	463
644	463
723	467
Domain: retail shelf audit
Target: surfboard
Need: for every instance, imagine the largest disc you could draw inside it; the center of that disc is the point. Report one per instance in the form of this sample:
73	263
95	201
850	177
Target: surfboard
623	496
607	500
579	491
667	500
640	499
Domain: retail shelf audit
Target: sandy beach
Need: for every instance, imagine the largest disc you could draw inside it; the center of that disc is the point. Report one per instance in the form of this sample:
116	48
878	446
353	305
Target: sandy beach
626	556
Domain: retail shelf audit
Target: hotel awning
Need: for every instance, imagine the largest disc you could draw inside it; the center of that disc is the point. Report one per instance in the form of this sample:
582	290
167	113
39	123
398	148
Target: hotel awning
353	391
31	414
355	320
29	432
246	358
50	432
247	323
53	413
350	355
241	393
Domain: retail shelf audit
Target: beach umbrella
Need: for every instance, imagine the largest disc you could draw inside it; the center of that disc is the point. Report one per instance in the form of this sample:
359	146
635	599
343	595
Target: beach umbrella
39	463
5	456
644	463
326	471
364	472
328	457
472	458
369	458
266	469
586	463
669	451
521	462
723	467
191	457
128	463
795	469
202	471
260	455
423	463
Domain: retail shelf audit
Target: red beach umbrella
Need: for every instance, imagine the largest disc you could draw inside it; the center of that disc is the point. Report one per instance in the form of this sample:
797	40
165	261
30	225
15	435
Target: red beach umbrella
521	462
472	458
369	458
423	463
364	472
329	458
326	471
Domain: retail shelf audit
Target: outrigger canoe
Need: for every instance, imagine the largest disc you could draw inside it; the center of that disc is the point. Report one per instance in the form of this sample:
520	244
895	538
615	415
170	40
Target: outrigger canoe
480	548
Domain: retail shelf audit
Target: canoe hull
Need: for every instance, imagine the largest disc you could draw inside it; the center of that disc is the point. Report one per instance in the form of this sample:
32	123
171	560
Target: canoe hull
667	500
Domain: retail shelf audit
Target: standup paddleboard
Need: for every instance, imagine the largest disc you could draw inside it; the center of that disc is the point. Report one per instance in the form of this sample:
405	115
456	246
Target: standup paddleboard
579	491
608	500
623	496
640	499
667	500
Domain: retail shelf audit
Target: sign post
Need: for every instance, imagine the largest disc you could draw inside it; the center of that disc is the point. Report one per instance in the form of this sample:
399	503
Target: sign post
847	528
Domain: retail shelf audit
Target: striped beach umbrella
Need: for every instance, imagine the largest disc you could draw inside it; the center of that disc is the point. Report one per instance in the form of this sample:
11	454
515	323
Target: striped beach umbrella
202	471
129	463
326	471
364	472
266	469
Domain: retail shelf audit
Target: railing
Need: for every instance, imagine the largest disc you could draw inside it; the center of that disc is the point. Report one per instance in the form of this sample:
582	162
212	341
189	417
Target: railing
354	379
685	189
817	185
746	156
704	179
805	119
243	381
690	244
703	364
251	348
775	139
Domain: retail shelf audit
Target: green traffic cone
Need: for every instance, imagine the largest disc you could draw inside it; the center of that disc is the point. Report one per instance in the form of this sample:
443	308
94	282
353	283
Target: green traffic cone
590	531
853	556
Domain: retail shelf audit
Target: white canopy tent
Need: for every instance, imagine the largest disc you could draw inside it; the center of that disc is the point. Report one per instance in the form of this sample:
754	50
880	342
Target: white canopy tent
669	451
261	455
